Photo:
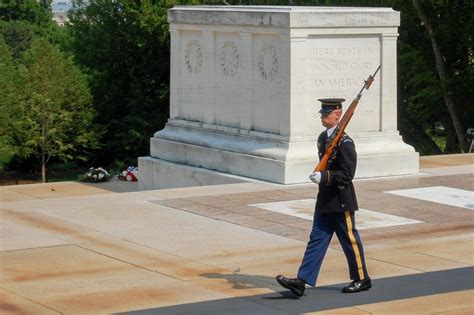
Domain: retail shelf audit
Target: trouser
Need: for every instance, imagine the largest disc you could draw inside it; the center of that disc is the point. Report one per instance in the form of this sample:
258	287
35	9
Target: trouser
324	225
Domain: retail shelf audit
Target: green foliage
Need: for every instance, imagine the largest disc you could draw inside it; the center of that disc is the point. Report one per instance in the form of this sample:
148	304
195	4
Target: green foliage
22	21
124	47
18	35
8	77
422	101
8	100
33	11
7	152
54	115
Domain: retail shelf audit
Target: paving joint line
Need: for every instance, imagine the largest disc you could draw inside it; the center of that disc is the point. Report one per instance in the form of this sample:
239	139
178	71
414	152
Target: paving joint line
117	238
328	298
253	228
241	214
126	262
171	254
33	248
421	253
33	301
360	310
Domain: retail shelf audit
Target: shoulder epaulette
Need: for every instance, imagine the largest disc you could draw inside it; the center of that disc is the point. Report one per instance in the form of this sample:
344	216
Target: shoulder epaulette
344	138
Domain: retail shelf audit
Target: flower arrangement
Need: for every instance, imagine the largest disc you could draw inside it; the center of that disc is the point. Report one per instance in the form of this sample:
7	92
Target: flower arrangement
96	175
130	174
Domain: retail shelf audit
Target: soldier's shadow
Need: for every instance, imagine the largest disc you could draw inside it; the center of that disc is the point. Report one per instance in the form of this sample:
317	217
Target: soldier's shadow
245	282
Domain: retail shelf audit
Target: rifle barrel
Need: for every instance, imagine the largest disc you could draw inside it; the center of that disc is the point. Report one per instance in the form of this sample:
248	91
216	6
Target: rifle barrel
359	95
323	163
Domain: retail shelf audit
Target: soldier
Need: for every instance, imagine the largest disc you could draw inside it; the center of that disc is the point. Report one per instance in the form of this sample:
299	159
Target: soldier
334	211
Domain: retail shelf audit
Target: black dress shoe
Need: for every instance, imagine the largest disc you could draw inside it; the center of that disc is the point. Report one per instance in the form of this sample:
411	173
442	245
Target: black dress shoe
357	286
295	285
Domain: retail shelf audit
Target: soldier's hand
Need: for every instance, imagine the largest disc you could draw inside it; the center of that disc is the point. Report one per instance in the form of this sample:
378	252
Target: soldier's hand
315	177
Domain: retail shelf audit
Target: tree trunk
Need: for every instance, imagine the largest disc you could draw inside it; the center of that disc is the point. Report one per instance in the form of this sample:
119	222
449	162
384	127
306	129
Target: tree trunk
441	69
43	152
414	133
451	140
43	173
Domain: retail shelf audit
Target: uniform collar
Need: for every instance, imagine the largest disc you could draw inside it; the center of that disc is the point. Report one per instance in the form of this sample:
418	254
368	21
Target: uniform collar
330	131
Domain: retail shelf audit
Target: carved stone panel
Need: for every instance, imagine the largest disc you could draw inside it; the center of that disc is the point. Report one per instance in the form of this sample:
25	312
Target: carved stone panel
193	56
338	66
229	59
268	62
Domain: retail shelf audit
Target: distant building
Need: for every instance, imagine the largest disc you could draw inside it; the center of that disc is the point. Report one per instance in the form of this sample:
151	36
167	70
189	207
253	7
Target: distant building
59	9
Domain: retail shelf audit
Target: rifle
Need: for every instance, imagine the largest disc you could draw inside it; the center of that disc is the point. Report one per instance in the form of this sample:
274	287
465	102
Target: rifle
341	126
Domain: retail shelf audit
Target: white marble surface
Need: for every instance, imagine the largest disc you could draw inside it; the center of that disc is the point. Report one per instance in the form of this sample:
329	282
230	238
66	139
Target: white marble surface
163	175
440	194
366	219
245	82
284	16
450	170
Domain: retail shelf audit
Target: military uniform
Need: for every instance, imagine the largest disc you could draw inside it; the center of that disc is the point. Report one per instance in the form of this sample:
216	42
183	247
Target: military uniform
334	210
336	191
334	213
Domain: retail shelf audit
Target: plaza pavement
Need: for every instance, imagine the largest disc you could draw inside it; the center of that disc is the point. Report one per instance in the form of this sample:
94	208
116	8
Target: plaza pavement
95	249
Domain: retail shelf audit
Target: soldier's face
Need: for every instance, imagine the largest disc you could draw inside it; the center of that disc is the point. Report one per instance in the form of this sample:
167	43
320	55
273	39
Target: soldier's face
330	120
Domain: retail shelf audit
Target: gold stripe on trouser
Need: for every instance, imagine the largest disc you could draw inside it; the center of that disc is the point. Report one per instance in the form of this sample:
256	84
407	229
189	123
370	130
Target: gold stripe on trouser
354	245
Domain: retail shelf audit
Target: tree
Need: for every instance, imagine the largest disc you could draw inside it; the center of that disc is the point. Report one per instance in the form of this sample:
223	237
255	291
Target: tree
423	92
18	35
22	21
124	47
33	11
8	97
436	71
441	69
54	114
8	75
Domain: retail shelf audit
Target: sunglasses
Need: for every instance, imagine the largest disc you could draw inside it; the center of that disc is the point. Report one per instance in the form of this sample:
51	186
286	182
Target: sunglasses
324	115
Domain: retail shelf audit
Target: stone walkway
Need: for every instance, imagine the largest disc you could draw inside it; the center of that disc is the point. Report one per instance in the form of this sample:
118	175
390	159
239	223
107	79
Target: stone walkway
74	248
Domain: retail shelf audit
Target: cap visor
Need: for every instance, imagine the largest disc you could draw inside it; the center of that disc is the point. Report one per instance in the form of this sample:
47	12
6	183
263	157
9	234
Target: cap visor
325	111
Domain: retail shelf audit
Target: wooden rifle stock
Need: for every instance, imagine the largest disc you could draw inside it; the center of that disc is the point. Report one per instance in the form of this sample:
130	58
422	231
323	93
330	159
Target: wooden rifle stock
341	126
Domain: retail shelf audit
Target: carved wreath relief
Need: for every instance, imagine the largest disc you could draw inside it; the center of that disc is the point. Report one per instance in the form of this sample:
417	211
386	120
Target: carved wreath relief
268	62
193	56
229	59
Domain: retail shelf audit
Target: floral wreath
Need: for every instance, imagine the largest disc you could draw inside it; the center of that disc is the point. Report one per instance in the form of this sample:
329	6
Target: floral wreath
130	174
229	68
270	75
96	175
189	48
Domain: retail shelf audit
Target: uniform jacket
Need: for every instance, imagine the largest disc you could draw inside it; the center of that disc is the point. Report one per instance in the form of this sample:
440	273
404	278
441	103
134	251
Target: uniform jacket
336	191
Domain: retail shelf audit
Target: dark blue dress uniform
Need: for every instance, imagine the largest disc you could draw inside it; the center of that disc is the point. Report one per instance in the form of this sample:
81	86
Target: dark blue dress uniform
334	213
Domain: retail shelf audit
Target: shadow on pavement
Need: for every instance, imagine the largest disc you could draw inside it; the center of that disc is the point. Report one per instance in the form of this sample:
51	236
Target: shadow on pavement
326	297
115	185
